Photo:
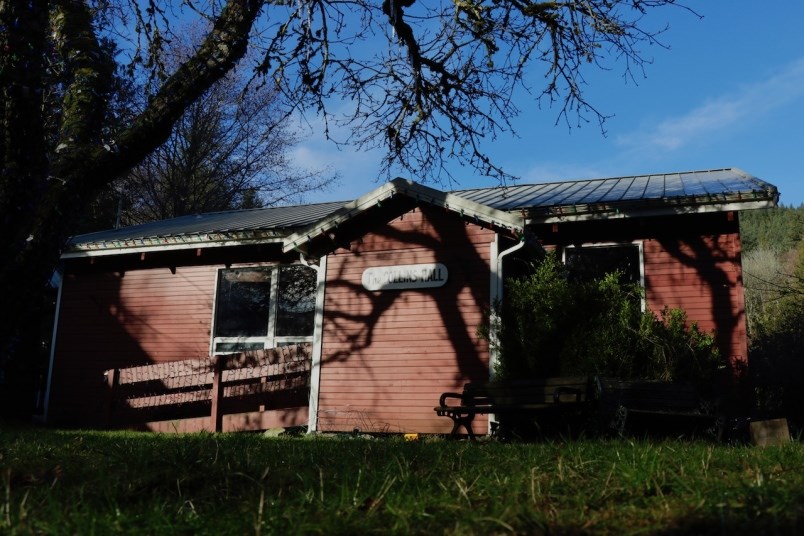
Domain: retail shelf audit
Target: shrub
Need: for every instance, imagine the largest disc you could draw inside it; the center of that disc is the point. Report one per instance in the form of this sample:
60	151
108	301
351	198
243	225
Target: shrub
550	325
776	331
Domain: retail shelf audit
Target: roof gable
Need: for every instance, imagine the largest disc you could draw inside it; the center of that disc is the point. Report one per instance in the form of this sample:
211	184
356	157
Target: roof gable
479	213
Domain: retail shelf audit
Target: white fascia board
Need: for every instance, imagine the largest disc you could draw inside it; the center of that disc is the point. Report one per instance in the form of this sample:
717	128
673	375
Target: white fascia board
469	209
568	216
105	251
513	221
347	212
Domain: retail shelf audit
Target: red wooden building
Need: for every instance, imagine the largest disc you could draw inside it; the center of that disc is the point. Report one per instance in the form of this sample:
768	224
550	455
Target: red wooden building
387	291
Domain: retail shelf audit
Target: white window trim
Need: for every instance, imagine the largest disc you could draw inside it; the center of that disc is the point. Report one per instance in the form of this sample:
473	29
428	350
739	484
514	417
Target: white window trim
638	243
269	340
273	308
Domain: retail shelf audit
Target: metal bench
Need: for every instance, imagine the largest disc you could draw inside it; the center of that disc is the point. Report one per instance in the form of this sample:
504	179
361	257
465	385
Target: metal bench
659	405
516	399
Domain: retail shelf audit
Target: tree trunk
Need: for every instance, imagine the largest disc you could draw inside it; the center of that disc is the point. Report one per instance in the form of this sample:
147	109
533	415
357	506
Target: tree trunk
46	183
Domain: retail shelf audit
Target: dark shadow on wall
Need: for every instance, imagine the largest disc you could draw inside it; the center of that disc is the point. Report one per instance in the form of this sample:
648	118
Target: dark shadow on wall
101	328
717	262
94	334
713	262
691	239
442	238
121	319
710	260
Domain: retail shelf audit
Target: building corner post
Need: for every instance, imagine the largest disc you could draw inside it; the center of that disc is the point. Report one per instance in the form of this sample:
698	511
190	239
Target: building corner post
51	360
318	337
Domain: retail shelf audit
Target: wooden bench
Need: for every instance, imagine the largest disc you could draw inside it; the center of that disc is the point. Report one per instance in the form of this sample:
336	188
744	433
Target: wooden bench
205	387
657	404
525	398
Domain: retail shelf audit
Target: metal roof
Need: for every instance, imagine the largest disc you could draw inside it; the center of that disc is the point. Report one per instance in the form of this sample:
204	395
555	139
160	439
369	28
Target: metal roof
712	190
512	222
235	224
693	187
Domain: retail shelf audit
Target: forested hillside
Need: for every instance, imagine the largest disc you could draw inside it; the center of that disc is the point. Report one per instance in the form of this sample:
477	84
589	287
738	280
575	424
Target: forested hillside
773	269
778	229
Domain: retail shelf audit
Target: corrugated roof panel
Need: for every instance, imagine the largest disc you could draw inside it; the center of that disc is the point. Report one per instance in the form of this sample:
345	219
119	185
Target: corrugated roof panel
489	197
701	185
527	193
539	195
653	187
637	187
556	195
694	186
506	197
729	183
615	190
575	191
673	186
272	218
492	196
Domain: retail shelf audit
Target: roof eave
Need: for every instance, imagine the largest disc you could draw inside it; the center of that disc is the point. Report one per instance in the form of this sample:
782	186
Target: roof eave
571	213
173	243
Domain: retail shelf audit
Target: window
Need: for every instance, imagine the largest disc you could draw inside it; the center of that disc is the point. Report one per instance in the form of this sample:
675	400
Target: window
591	262
264	307
296	301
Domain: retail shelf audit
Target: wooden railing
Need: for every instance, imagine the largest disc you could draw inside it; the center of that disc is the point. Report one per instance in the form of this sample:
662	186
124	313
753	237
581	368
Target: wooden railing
206	386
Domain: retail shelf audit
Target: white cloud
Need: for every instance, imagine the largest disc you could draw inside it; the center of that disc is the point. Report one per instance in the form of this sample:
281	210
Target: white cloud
726	112
358	169
551	172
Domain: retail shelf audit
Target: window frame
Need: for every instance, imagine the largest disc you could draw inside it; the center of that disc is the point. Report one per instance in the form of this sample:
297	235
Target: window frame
270	340
640	247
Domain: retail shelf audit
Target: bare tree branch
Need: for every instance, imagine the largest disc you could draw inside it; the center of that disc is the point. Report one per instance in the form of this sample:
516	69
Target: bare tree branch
432	83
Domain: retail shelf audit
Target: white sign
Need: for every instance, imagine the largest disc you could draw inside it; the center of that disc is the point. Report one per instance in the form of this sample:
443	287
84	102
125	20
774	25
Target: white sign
405	276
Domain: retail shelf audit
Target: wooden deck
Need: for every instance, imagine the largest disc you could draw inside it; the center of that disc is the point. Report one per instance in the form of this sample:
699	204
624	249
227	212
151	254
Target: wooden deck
187	390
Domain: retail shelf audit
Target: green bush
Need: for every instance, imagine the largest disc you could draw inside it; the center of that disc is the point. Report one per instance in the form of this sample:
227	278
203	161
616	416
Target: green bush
552	325
776	334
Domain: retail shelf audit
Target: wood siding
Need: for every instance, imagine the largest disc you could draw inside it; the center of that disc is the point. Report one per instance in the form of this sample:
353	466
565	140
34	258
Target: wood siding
113	320
137	317
388	355
705	279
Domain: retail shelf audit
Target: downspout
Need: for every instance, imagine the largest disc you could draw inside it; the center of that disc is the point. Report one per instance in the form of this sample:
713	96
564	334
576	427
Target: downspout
496	300
318	327
46	404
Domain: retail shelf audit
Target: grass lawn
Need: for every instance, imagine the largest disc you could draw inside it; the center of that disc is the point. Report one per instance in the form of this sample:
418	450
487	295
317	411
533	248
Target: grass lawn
72	482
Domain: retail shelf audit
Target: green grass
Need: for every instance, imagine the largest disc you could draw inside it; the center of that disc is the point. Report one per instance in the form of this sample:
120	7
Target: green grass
68	482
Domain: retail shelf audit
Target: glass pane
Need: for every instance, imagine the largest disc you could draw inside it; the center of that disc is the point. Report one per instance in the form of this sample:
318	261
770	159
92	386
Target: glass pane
296	306
243	304
595	262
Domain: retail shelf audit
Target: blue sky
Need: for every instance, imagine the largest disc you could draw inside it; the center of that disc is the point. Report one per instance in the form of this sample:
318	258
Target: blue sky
729	92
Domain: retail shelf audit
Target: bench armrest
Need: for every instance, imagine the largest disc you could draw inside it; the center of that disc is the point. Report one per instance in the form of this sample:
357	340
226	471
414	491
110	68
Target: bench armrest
566	390
444	396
